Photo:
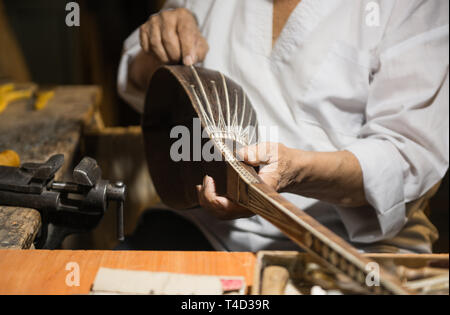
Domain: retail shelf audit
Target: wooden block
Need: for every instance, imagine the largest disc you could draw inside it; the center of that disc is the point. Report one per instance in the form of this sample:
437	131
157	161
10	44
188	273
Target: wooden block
18	227
274	280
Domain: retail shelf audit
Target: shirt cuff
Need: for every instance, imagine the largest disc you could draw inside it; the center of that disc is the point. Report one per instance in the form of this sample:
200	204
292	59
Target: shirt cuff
126	89
384	189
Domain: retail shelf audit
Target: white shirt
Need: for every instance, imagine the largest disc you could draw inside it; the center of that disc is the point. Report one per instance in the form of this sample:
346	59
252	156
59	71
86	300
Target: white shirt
340	77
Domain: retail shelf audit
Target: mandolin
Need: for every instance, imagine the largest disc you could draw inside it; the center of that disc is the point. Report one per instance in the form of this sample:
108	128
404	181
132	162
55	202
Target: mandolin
177	97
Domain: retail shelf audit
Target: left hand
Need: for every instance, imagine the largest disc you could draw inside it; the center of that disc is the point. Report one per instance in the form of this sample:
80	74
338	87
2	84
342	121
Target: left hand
221	207
277	169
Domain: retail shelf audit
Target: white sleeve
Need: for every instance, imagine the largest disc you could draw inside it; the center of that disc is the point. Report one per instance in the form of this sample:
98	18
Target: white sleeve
131	49
403	148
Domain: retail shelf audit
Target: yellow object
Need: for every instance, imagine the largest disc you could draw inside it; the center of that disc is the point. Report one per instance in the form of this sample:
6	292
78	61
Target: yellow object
42	99
5	88
9	158
11	96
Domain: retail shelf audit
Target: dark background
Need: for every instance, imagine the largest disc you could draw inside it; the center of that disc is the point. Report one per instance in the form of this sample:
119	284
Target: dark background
56	54
89	54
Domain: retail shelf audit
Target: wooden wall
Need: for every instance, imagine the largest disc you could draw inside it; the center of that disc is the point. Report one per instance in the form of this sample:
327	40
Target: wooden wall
89	54
12	62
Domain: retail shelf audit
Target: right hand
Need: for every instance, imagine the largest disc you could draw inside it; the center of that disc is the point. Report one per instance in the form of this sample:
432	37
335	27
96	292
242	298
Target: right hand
173	37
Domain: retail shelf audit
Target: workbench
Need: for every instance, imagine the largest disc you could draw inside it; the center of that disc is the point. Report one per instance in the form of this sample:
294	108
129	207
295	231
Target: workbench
36	136
44	272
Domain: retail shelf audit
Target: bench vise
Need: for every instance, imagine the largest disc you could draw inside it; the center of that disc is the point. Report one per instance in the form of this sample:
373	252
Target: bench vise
68	207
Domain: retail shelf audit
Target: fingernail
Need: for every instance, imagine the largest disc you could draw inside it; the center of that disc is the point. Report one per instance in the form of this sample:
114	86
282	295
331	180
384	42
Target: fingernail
198	187
188	60
208	180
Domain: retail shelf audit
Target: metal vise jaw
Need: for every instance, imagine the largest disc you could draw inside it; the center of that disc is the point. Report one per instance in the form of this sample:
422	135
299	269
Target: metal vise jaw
71	207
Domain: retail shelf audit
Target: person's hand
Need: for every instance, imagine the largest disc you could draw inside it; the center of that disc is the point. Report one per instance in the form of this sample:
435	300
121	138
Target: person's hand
221	207
279	166
333	177
172	37
278	169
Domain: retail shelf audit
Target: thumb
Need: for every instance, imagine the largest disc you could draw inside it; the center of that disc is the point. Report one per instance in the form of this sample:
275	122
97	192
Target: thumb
256	155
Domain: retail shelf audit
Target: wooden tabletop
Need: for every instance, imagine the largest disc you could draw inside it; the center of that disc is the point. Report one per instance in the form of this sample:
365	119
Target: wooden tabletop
44	272
36	136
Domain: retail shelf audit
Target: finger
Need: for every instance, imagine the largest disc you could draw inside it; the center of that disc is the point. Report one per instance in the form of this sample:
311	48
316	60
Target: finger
199	191
145	43
144	38
209	190
200	195
187	33
222	207
255	155
210	197
206	195
269	175
202	48
169	36
225	203
155	41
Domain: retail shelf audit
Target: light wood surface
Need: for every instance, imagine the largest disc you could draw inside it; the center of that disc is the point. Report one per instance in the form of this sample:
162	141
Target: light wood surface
44	272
